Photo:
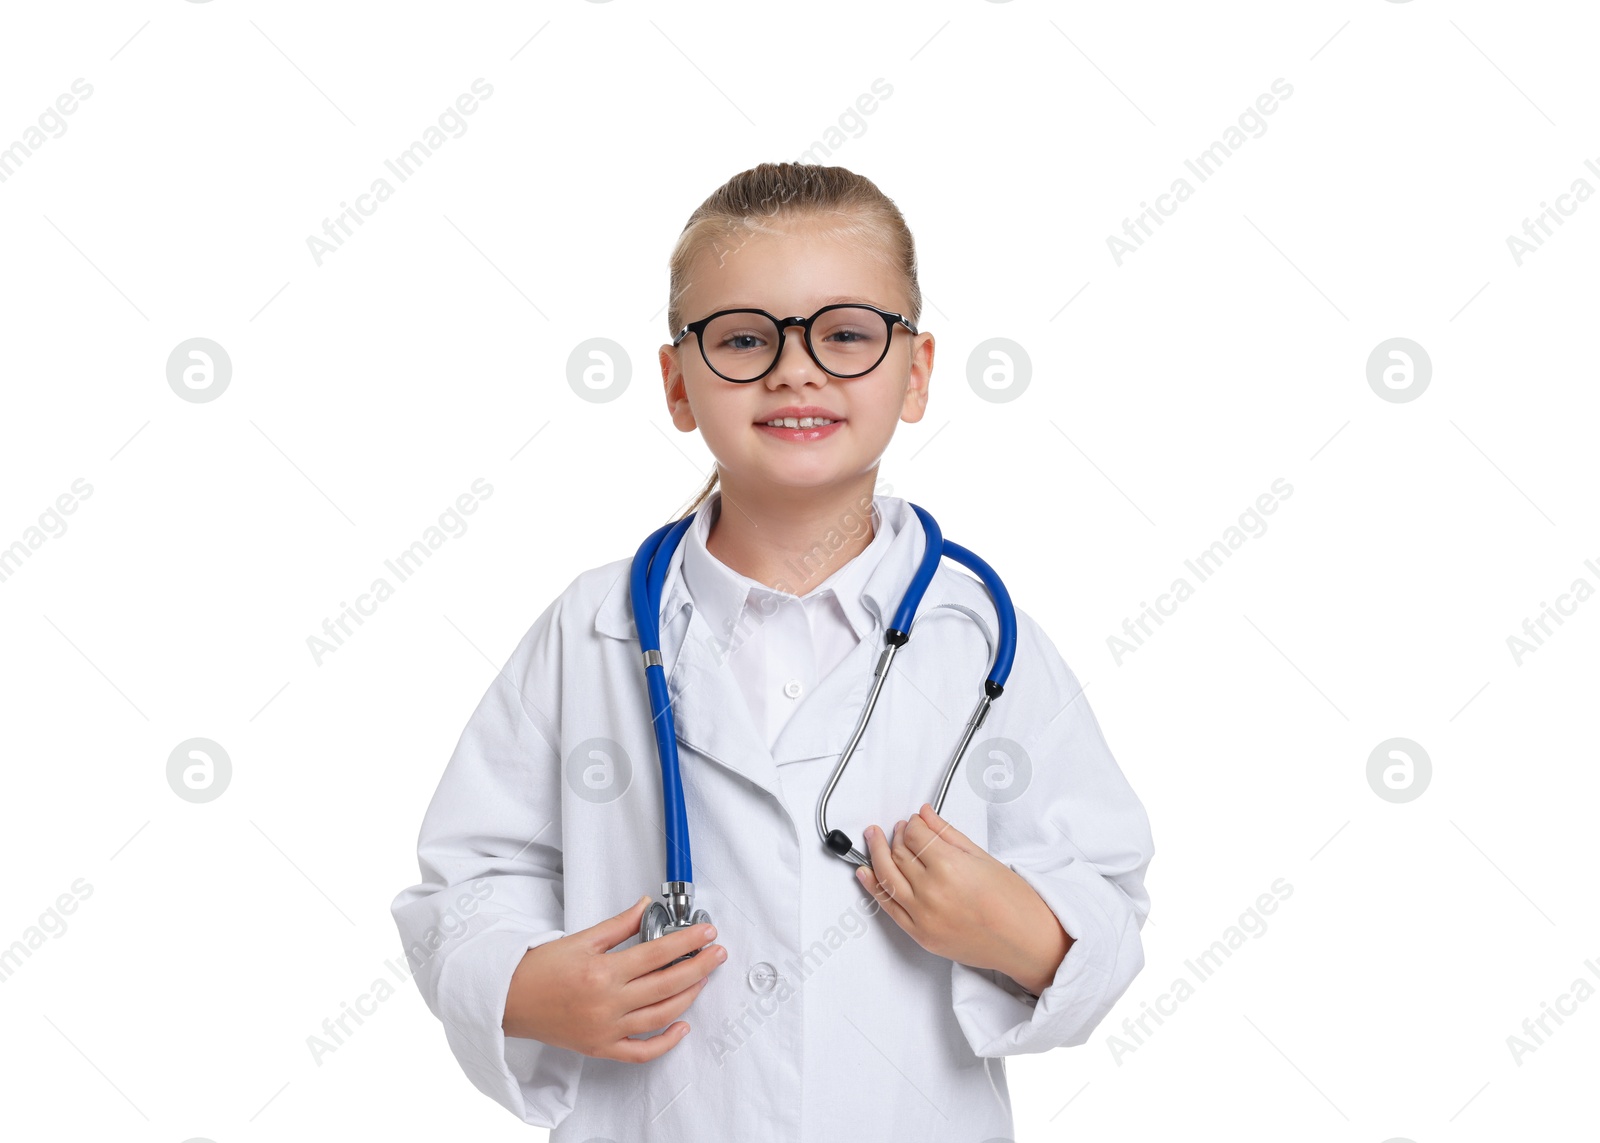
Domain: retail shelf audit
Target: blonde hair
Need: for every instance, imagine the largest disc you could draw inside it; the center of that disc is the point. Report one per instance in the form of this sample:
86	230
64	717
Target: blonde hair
851	206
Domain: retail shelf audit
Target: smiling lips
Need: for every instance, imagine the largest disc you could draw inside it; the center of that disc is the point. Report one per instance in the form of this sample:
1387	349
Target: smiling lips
801	423
800	417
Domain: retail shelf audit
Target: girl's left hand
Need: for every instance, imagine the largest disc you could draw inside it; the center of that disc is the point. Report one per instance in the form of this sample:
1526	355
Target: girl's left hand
957	901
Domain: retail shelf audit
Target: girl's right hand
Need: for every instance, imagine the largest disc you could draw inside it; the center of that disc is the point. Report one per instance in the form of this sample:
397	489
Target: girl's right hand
574	993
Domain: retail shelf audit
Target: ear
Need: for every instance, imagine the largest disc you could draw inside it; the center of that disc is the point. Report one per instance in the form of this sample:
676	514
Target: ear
677	392
921	372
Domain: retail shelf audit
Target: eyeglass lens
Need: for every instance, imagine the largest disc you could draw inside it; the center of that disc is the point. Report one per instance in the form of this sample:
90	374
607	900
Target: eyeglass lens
848	341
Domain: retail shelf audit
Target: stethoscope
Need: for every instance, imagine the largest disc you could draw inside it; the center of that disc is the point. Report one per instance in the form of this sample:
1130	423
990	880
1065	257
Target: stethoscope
676	909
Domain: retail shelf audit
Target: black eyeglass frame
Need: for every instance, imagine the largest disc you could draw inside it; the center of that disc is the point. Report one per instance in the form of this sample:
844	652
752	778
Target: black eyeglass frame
890	320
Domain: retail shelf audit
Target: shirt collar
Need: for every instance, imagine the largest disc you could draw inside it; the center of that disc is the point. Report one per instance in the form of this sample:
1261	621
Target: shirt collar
885	573
722	594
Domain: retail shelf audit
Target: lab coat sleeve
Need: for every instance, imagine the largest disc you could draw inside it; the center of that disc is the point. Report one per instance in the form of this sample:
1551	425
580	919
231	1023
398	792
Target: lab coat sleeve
491	863
1080	837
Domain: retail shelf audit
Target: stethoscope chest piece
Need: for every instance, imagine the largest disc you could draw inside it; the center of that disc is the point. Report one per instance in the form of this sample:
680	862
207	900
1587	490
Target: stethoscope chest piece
676	913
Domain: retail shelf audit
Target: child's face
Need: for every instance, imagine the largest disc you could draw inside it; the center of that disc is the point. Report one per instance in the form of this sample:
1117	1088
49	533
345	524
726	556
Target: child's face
795	273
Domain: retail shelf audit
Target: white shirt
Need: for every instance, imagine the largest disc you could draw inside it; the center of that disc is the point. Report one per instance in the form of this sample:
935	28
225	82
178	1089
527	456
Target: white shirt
827	1020
780	643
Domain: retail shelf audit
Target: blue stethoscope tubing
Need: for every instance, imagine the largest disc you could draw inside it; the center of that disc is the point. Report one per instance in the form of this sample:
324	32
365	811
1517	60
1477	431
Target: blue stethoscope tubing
644	588
647	575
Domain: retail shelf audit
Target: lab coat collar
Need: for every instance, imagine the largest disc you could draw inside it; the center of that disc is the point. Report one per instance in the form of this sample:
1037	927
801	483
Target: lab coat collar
709	709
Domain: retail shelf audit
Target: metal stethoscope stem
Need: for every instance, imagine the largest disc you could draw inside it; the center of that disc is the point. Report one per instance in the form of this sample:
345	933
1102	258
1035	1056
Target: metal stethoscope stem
935	548
837	840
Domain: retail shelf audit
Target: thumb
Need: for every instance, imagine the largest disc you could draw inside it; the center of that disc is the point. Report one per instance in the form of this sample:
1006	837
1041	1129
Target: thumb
614	930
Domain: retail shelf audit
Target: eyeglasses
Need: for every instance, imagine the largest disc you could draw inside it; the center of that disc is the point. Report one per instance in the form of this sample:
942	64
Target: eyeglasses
845	340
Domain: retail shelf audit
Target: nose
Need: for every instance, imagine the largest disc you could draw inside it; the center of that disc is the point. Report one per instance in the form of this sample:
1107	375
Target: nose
800	358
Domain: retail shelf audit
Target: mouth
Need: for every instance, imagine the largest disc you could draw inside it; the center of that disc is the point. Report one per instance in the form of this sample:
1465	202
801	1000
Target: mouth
800	417
800	423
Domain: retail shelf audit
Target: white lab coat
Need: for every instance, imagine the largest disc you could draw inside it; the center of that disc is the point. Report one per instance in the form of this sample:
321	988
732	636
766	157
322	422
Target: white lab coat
827	1020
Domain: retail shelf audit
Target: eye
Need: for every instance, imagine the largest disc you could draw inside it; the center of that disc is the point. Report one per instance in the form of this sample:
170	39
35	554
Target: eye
742	341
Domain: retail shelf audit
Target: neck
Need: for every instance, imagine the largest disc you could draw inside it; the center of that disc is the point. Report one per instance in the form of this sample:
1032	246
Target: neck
788	544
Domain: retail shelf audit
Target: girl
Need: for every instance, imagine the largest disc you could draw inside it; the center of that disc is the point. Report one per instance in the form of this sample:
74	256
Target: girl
815	1006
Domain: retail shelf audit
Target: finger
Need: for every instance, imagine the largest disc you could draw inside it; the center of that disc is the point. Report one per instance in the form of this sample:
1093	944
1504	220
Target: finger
670	981
923	842
630	1051
663	1011
885	873
649	956
890	905
947	832
885	869
612	931
905	856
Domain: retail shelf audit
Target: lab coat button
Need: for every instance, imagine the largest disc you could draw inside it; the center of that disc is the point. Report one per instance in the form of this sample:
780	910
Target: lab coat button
792	688
762	977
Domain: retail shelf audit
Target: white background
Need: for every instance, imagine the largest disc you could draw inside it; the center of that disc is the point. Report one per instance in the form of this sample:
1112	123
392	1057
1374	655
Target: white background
369	391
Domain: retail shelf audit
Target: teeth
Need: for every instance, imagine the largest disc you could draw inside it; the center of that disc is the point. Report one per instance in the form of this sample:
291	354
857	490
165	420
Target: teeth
799	422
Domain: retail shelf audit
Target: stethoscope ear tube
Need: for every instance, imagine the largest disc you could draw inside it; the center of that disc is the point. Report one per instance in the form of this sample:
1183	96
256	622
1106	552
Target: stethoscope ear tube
1006	649
646	576
932	550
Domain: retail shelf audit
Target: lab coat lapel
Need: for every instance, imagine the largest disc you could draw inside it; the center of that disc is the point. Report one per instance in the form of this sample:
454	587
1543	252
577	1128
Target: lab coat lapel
712	715
708	709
